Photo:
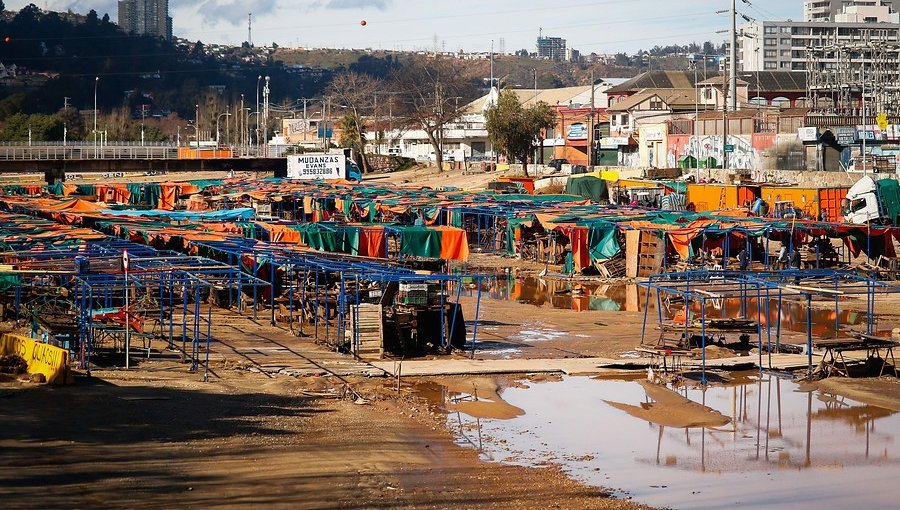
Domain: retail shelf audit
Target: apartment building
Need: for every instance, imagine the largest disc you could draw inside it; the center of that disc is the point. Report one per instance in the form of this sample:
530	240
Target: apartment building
827	10
146	17
552	48
781	45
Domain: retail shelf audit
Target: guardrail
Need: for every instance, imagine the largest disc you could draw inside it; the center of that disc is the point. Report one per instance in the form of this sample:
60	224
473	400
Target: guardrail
49	151
59	152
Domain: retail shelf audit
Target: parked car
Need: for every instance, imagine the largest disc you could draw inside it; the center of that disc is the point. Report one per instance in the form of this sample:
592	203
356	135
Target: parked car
448	157
557	164
394	151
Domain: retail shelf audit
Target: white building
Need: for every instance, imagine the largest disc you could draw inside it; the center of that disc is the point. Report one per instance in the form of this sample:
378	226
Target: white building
781	45
827	10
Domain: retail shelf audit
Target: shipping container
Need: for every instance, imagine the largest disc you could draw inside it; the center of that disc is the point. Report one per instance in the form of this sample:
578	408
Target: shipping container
712	197
811	201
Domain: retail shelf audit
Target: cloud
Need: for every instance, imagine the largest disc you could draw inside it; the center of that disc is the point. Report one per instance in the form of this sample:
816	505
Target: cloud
233	13
358	4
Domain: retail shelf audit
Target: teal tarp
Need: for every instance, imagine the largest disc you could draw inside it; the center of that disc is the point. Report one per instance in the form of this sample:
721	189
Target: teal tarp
602	242
243	213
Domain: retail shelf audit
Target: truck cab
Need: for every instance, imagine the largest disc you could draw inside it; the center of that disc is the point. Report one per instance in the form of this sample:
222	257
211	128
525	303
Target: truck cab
871	201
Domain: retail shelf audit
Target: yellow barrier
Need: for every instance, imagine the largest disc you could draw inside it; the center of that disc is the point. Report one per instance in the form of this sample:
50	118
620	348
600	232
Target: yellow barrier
42	358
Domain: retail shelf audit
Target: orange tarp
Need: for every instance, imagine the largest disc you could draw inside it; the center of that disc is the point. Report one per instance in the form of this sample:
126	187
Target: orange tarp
281	233
371	242
167	197
581	254
454	244
76	205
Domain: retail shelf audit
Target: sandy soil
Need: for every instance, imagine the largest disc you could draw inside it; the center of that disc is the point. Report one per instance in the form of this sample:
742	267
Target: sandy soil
882	392
512	329
429	176
158	438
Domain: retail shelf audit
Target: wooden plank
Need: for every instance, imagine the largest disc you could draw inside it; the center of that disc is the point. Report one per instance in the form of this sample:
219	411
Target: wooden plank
632	252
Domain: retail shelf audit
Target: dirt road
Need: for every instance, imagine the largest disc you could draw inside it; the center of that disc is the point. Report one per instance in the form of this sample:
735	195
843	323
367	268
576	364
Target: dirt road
159	438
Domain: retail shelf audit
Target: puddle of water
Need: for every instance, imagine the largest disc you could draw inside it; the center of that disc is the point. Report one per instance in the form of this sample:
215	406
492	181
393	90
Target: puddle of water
782	448
592	296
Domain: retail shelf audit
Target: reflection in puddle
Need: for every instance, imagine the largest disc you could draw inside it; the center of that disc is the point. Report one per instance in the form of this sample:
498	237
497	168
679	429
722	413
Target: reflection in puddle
619	296
767	443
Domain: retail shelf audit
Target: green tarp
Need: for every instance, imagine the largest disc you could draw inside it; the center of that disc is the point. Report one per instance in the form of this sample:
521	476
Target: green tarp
587	187
421	242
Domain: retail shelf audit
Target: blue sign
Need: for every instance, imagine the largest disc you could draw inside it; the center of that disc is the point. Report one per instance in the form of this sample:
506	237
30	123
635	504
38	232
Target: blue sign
577	132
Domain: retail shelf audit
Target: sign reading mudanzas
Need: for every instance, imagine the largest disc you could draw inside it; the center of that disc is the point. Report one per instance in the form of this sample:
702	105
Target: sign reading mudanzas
316	166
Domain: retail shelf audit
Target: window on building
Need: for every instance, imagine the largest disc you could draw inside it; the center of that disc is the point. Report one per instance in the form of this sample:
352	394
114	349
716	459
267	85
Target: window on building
785	53
623	119
784	65
770	41
786	30
656	103
786	41
770	53
769	65
708	93
771	30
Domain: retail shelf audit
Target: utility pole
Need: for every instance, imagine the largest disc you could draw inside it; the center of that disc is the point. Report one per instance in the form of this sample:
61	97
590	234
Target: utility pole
305	120
865	122
591	139
725	122
492	67
696	137
732	63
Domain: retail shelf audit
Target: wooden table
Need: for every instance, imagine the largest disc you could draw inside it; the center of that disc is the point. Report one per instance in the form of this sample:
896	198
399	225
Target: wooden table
834	362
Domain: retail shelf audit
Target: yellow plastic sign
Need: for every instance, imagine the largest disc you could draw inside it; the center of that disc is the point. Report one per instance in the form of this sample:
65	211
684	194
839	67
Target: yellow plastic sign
52	362
882	121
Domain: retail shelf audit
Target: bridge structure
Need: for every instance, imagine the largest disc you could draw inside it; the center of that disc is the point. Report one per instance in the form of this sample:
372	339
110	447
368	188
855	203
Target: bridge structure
56	159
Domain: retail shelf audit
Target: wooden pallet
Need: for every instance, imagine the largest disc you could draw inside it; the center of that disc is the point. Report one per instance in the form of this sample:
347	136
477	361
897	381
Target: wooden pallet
367	326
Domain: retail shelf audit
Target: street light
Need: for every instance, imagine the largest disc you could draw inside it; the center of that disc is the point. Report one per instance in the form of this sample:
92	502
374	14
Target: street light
96	81
258	78
226	114
143	113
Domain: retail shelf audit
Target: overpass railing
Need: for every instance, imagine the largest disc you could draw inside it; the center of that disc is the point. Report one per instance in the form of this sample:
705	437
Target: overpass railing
80	151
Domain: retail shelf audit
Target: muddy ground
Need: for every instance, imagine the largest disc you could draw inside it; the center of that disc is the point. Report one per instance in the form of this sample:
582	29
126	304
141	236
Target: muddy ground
159	438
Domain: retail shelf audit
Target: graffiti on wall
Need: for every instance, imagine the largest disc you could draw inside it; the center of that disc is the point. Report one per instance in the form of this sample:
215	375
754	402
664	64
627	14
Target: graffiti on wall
712	146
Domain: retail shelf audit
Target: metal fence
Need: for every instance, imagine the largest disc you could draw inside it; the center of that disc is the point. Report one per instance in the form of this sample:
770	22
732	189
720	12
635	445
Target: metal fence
83	150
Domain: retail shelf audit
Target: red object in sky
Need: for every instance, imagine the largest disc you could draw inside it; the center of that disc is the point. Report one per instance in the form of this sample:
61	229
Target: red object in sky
8	38
363	23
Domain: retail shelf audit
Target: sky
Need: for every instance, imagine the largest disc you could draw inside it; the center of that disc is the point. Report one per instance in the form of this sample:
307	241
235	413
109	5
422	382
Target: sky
604	26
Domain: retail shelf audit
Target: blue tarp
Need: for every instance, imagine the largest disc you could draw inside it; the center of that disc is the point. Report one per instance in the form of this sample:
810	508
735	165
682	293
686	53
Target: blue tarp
241	214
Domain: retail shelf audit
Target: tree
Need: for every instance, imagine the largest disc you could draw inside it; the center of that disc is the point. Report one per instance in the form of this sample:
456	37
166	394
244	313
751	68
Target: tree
354	94
42	128
434	92
515	130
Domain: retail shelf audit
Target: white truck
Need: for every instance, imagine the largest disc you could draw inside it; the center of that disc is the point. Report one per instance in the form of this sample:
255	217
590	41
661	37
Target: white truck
322	166
871	201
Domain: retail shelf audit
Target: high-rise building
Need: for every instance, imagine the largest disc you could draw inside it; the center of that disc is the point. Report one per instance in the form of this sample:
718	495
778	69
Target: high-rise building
146	17
553	48
782	45
826	10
